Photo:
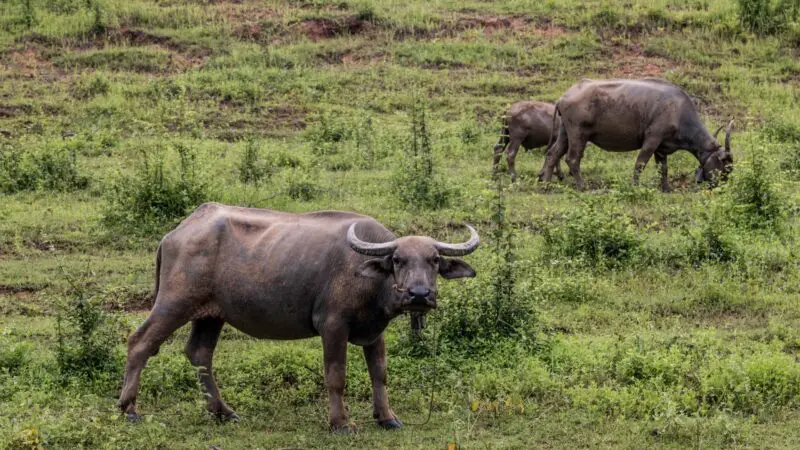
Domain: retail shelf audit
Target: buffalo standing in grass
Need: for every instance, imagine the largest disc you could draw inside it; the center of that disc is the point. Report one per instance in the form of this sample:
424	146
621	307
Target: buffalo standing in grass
527	124
623	115
277	275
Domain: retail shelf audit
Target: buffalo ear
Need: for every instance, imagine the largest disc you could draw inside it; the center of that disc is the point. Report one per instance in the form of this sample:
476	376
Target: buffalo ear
450	268
375	268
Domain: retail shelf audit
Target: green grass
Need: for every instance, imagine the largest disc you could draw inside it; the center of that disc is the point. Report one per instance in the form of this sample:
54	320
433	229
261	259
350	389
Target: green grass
689	340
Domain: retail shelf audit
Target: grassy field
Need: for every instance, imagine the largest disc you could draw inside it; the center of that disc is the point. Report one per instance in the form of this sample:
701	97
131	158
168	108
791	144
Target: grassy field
622	317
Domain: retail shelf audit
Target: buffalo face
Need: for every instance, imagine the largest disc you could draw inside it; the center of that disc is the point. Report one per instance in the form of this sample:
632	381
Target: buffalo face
413	263
718	166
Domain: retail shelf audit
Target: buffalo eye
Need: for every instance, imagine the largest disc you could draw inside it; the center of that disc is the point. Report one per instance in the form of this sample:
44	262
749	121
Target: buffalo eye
435	260
397	261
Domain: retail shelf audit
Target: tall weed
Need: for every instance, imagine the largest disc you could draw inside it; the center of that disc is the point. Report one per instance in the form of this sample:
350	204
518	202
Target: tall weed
415	180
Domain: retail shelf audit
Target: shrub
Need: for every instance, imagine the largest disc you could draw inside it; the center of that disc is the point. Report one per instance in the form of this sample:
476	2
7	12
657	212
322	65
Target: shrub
155	198
253	169
302	185
87	337
592	235
415	180
53	168
752	200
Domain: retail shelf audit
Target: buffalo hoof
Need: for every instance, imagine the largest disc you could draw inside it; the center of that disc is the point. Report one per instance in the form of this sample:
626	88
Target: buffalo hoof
391	424
342	429
133	417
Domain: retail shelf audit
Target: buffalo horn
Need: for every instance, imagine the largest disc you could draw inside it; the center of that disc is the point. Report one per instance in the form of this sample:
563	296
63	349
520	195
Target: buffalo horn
716	133
728	136
369	248
464	248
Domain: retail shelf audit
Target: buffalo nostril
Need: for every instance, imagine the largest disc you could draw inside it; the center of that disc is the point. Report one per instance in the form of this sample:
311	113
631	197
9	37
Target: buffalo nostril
419	292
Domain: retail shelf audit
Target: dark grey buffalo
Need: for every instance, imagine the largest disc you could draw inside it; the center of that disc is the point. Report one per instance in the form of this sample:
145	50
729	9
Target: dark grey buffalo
276	275
527	124
623	115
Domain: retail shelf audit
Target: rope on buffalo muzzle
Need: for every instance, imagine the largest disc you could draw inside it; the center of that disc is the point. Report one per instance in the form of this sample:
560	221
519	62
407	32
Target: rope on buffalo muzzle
433	382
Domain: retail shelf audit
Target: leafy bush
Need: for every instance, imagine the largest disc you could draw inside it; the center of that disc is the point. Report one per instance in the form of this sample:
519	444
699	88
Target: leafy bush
302	185
253	169
87	338
592	235
415	180
54	167
767	16
155	198
752	200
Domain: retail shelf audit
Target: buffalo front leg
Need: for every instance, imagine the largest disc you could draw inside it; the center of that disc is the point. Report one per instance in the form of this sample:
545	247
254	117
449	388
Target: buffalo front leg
511	157
648	149
661	160
143	344
375	354
334	353
200	351
552	160
499	148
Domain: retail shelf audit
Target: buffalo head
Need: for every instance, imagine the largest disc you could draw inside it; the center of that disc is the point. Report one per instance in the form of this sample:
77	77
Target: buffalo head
718	165
414	262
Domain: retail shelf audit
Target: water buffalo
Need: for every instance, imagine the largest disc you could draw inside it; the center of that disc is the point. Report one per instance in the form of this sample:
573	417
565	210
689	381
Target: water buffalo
624	115
527	124
276	275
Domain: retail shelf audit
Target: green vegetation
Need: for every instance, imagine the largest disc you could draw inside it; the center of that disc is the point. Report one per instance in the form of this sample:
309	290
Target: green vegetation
615	317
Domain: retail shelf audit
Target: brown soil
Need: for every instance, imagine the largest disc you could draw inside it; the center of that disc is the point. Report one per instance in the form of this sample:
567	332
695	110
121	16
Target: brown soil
492	24
317	29
16	291
630	62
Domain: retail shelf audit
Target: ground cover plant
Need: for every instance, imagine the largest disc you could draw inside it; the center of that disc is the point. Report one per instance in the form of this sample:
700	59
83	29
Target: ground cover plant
614	317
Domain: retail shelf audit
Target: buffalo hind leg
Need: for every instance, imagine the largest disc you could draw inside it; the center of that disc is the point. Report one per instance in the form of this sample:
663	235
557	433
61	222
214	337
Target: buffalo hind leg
661	160
143	344
574	156
375	355
334	354
200	351
553	156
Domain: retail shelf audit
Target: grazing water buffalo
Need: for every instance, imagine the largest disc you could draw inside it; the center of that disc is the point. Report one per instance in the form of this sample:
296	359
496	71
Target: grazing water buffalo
276	275
625	115
527	124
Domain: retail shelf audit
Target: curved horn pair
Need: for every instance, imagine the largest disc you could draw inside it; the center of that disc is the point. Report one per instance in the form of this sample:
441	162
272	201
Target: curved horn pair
385	248
728	129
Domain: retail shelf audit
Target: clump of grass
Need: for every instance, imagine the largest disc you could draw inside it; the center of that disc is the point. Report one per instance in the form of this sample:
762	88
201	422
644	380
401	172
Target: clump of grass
302	184
91	86
54	167
768	16
155	198
415	181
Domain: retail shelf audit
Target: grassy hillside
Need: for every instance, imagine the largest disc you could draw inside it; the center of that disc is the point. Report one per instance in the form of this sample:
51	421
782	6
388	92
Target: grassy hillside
614	317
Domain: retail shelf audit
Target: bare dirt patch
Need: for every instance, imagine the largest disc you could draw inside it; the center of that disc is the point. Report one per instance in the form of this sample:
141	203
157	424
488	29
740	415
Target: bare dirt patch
631	62
29	63
317	29
493	24
17	291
